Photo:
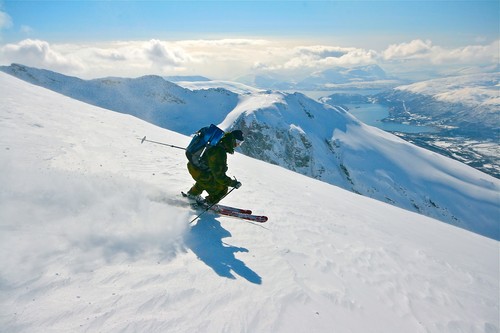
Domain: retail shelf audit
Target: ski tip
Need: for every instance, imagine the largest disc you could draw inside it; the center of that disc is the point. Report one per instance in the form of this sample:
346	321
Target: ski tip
142	141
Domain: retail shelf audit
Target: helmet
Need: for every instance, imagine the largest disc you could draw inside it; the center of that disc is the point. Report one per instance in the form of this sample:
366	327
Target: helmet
238	135
232	140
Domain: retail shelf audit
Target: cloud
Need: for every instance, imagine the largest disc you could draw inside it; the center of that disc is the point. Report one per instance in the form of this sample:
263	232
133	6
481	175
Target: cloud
39	54
163	54
426	52
111	55
323	51
135	58
318	57
229	59
130	58
5	20
225	42
26	29
468	54
413	49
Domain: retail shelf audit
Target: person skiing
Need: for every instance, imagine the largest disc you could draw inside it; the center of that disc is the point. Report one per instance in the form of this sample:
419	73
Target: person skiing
211	177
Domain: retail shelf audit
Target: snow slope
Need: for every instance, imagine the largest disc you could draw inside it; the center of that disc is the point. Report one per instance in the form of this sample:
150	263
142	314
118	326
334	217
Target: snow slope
150	97
303	135
94	238
328	143
473	90
238	88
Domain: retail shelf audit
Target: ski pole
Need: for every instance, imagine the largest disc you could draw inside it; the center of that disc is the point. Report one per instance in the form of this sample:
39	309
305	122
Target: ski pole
208	208
160	143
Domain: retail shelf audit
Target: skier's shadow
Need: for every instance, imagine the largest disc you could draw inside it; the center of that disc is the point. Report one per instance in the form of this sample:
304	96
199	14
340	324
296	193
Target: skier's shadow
205	240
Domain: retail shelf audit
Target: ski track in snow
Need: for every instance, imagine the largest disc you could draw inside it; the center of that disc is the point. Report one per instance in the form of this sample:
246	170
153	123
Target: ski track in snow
94	238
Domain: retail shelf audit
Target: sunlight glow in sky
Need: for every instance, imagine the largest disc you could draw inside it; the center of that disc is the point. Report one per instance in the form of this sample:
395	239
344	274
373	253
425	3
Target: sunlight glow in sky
70	36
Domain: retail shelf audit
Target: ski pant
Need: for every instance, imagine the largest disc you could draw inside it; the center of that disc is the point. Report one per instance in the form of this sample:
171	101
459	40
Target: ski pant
205	181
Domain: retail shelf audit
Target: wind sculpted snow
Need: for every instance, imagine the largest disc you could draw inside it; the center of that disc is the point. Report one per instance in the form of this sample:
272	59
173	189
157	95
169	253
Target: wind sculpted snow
94	237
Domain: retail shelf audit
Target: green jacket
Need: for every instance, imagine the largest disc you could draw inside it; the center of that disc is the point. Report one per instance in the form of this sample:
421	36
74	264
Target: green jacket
216	158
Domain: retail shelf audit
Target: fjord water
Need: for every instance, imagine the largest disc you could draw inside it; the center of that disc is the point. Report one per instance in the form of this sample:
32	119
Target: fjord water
372	114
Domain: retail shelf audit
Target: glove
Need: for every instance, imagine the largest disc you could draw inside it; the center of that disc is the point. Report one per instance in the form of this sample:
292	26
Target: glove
236	184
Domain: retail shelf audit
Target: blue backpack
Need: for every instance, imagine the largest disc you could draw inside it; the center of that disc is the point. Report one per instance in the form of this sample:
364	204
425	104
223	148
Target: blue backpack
203	139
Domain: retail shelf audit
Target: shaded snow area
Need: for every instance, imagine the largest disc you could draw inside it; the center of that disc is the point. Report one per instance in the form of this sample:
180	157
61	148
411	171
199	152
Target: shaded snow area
94	237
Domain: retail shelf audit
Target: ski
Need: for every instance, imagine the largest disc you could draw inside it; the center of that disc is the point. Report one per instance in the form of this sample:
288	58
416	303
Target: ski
243	216
219	206
234	209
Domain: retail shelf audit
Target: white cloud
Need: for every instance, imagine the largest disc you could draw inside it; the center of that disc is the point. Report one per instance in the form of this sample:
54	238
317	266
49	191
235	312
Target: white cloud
425	52
110	55
225	42
26	29
5	20
232	58
468	54
318	57
40	54
164	54
414	49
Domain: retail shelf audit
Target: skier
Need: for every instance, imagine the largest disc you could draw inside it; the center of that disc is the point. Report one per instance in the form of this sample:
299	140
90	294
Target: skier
213	178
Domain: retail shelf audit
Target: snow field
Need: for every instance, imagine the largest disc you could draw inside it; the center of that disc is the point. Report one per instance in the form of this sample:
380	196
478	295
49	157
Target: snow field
94	237
296	132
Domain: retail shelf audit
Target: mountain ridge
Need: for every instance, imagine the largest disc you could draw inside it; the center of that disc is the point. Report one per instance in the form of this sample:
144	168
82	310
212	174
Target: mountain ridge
147	97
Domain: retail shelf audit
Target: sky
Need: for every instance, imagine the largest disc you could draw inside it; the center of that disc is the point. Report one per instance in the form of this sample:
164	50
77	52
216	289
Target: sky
230	39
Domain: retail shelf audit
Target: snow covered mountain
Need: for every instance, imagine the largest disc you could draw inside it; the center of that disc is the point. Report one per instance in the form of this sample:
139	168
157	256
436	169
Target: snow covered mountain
352	78
466	105
329	144
342	75
94	238
266	81
188	78
464	111
149	97
314	139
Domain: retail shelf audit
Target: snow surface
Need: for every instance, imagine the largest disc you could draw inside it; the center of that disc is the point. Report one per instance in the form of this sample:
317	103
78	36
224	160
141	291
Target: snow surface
303	135
236	87
94	238
476	90
287	129
328	143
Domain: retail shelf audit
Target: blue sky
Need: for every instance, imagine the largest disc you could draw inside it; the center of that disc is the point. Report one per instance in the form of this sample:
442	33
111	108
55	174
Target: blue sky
364	25
60	21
